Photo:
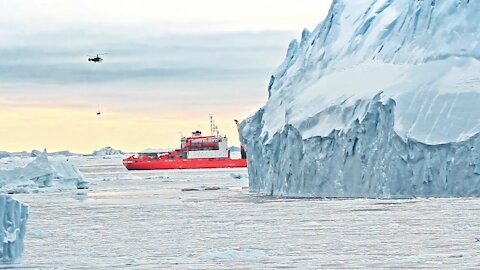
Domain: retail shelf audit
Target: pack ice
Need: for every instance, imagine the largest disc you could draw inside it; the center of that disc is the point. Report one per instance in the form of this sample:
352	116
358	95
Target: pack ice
13	218
380	100
42	173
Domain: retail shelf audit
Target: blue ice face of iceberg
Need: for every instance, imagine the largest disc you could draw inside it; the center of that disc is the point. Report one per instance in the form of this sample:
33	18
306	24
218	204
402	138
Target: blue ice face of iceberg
380	100
13	217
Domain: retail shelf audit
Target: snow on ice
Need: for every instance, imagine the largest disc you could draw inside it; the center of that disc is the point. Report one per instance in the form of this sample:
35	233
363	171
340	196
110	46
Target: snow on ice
42	174
13	218
380	100
107	151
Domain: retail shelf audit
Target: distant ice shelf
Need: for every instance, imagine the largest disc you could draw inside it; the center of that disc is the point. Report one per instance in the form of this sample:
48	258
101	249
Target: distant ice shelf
380	100
107	151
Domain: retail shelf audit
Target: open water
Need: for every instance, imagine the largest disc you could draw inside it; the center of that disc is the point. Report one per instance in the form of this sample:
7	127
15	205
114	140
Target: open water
143	220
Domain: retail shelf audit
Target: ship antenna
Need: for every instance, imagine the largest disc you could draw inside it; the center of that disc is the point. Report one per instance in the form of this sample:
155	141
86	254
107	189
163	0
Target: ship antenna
211	124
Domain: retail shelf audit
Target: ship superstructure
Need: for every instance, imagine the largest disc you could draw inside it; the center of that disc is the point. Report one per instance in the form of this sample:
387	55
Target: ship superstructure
195	152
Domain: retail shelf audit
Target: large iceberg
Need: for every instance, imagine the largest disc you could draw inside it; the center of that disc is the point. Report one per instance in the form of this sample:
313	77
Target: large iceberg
380	100
42	174
13	218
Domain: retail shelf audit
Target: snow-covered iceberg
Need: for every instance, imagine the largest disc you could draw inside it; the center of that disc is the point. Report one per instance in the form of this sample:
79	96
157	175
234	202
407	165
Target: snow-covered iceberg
13	218
42	173
107	151
380	100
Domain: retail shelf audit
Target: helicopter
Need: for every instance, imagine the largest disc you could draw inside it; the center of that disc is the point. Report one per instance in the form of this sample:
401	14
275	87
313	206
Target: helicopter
96	59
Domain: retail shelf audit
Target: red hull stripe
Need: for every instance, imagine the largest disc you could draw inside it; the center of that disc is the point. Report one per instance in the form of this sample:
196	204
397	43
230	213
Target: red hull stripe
162	164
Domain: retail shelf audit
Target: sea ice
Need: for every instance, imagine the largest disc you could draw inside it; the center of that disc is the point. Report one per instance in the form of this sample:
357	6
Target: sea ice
234	254
238	176
127	176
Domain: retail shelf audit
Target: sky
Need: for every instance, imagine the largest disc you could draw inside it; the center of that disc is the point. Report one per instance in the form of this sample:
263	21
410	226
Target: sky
168	65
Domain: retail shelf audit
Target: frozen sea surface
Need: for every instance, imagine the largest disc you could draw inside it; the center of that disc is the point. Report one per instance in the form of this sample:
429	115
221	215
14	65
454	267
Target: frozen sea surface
143	220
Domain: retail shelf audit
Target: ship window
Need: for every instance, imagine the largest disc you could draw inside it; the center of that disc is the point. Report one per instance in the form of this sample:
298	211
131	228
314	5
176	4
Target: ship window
171	157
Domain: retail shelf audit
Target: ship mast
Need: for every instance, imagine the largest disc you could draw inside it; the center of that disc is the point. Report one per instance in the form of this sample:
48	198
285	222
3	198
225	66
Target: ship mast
211	124
213	128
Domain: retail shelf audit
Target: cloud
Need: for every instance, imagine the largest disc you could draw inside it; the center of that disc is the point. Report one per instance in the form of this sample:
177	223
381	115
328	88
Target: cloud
178	70
169	64
167	16
232	56
45	44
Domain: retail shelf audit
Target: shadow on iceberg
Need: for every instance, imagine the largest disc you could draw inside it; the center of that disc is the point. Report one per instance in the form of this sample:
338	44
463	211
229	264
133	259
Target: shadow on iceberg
368	160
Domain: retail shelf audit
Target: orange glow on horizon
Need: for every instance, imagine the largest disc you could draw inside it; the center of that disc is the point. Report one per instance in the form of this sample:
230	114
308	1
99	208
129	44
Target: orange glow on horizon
80	130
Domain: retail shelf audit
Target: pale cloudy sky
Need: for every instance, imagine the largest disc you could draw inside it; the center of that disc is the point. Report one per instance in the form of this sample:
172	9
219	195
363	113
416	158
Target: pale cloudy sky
169	64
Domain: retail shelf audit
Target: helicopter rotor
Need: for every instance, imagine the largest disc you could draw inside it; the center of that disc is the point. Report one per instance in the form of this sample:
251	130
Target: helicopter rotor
96	55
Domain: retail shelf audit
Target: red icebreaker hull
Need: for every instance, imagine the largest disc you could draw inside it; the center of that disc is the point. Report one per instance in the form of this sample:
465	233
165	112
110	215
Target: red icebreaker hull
196	163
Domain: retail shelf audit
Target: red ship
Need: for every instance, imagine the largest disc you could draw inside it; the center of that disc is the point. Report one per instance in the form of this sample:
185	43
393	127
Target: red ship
196	152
